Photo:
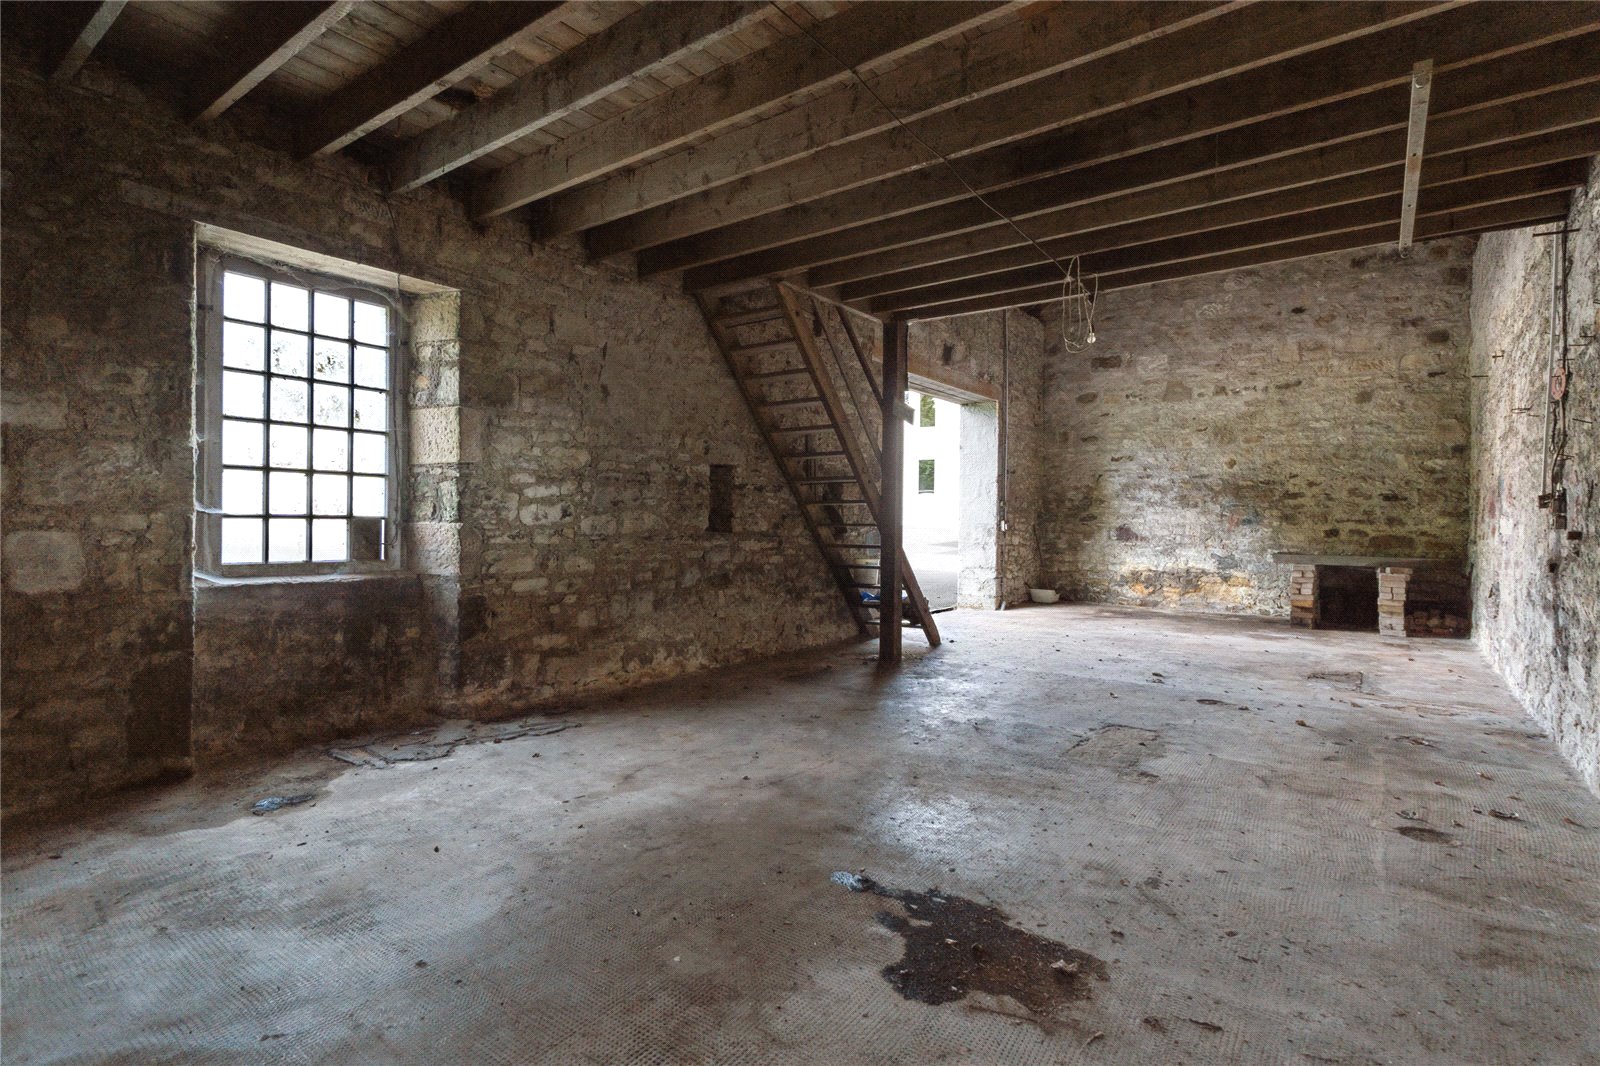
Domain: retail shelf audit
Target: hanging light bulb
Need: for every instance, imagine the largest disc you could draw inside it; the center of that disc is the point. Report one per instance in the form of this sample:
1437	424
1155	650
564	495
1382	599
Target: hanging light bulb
1089	339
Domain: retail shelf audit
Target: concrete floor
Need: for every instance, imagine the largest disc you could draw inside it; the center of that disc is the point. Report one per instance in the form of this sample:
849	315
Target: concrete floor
1206	828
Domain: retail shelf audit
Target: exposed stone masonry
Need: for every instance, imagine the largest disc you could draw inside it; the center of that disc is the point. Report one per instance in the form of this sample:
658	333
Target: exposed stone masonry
1317	406
1536	589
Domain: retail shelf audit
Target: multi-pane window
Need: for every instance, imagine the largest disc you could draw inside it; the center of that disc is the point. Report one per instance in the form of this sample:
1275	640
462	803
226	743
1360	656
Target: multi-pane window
301	460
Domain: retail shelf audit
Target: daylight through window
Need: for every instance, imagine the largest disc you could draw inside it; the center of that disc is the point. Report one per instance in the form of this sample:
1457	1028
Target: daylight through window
302	406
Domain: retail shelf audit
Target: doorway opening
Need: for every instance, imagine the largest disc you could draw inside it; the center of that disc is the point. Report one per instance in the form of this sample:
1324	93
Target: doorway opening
951	498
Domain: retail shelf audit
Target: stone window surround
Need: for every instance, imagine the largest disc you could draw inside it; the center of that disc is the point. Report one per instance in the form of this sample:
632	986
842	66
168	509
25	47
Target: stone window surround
214	245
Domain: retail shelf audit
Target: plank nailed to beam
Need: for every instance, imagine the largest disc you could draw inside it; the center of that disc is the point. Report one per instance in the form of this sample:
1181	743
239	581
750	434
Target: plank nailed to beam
870	33
655	36
260	36
1416	134
84	24
945	74
449	52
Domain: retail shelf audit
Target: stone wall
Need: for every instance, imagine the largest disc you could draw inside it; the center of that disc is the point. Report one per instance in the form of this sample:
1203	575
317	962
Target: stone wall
1315	406
1536	592
560	531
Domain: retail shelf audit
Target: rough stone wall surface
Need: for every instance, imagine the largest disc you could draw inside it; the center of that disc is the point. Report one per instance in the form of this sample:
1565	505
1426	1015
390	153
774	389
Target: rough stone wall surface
1536	593
1314	406
563	541
280	664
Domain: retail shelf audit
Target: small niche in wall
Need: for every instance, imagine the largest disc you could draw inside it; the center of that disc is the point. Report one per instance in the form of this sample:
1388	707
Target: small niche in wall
720	517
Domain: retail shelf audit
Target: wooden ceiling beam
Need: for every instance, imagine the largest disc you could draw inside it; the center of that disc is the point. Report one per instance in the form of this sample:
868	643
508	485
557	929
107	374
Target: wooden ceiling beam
1258	232
1234	43
1576	143
260	36
966	227
83	25
1513	214
870	33
1042	42
655	36
461	44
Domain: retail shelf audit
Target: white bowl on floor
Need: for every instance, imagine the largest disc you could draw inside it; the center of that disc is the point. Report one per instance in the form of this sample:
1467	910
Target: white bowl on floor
1043	595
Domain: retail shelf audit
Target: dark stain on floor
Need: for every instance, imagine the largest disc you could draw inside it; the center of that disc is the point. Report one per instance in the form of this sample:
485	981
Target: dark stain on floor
957	946
1423	833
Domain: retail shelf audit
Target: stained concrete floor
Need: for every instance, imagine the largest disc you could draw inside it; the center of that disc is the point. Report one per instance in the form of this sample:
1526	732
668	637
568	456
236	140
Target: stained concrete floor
1203	812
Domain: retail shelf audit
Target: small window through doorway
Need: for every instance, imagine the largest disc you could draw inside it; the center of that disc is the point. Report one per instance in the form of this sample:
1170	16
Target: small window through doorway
929	412
925	474
299	463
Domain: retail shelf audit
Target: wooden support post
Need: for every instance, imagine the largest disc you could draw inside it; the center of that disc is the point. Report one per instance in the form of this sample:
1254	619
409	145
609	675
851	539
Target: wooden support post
891	500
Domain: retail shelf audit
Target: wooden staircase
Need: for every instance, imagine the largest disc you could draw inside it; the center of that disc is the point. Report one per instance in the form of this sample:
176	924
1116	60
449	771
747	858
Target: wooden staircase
767	340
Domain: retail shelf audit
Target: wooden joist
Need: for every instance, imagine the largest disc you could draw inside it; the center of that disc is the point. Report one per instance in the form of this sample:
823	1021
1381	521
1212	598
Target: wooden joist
1203	203
1236	42
1546	207
461	44
82	27
866	34
655	36
946	73
1302	93
260	37
1478	105
1576	143
1250	233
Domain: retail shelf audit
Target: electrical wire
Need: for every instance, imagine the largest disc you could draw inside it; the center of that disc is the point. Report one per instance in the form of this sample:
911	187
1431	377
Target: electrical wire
1067	278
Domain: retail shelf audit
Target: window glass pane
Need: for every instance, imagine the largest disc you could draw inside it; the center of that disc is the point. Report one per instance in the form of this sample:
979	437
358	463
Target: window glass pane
371	410
241	443
241	394
927	411
369	453
241	540
286	540
330	360
368	497
288	306
332	405
328	540
330	449
372	323
289	400
287	493
289	353
244	297
925	475
330	494
241	491
372	368
332	314
286	446
242	346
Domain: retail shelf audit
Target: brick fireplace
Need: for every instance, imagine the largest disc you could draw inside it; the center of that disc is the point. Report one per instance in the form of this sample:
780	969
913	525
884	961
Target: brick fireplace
1413	597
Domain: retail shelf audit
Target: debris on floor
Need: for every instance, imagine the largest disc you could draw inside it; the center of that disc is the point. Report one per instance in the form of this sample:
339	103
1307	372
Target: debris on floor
277	803
957	946
426	745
